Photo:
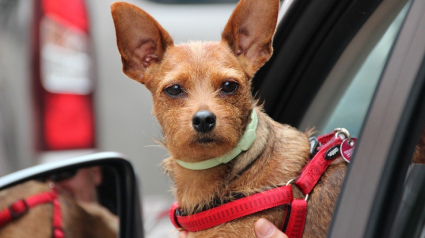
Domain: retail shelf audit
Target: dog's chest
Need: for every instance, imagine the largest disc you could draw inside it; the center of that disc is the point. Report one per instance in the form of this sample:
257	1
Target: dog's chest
284	154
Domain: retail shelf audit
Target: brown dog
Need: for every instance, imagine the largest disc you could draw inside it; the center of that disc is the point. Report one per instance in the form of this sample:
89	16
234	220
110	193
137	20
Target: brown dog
202	99
37	222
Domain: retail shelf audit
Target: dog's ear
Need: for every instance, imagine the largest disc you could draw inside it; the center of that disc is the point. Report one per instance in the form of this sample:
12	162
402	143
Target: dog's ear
141	40
249	31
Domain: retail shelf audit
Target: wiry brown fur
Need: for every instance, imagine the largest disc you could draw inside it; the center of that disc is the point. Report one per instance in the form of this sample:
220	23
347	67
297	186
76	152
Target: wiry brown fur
37	223
200	68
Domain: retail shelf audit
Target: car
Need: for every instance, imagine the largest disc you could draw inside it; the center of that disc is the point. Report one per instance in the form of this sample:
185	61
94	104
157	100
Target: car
359	65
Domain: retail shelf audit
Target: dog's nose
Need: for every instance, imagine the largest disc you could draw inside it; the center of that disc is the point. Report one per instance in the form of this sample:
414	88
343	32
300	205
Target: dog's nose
203	121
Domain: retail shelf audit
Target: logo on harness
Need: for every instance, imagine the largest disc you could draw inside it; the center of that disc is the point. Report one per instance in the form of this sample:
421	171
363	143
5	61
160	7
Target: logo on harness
332	153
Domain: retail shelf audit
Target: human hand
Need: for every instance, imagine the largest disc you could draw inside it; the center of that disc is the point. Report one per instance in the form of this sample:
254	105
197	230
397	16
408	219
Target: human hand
183	234
262	228
265	229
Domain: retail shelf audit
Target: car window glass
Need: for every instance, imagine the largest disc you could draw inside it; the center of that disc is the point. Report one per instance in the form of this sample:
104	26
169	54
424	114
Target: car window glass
351	109
344	97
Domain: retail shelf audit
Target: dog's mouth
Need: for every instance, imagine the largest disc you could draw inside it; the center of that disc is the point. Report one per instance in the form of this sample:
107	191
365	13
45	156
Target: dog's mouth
205	139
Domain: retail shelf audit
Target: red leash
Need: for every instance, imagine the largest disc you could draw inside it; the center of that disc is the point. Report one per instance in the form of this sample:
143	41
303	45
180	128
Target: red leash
331	146
22	206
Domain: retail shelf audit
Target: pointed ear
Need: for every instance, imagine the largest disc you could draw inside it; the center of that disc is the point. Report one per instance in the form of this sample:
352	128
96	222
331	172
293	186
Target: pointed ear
141	41
249	32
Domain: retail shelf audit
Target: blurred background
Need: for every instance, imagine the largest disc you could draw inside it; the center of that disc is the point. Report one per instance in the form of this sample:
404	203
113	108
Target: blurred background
63	94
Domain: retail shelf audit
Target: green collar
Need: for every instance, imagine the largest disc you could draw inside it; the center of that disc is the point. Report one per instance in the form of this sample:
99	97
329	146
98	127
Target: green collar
244	144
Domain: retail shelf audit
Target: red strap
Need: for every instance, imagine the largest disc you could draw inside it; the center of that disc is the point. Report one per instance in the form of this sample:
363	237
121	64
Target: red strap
297	218
324	139
232	210
20	207
317	166
57	219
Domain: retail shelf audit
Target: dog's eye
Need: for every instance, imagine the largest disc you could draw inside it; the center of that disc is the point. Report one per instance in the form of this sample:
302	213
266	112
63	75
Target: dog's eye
174	90
229	87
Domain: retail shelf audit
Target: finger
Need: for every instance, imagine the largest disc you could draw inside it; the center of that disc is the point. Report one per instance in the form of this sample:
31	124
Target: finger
182	234
265	229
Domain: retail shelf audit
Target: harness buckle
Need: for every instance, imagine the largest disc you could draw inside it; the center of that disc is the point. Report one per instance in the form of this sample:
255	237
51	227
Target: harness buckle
177	212
314	143
18	214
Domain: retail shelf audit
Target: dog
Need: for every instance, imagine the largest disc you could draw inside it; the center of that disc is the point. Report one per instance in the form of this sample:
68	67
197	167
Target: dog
87	221
202	99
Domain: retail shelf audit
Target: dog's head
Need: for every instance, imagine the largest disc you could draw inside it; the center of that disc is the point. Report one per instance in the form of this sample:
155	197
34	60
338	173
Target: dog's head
201	90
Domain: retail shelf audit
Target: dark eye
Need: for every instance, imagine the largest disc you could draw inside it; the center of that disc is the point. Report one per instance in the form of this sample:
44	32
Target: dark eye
173	90
229	87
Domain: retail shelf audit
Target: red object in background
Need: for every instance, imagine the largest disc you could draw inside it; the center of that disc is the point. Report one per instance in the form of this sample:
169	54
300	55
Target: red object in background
71	11
63	76
68	121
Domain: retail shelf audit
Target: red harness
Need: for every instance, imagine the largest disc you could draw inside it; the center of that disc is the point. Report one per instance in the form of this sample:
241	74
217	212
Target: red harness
20	207
330	146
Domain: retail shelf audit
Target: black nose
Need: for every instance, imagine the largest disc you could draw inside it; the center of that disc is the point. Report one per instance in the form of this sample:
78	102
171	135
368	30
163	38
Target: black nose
203	121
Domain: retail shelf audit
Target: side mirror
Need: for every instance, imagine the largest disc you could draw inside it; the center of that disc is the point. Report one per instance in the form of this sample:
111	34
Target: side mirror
92	190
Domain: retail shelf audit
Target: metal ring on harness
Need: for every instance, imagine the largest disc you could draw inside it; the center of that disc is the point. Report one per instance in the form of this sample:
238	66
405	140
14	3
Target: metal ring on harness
291	182
344	132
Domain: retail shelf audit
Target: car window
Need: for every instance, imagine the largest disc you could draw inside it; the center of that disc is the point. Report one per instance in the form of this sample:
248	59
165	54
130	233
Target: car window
352	106
350	94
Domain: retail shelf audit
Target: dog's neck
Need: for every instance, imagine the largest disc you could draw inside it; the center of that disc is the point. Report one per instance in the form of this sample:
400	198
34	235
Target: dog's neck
194	187
244	160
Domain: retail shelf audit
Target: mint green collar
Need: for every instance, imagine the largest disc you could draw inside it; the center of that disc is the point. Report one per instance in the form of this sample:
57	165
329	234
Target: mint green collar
244	144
